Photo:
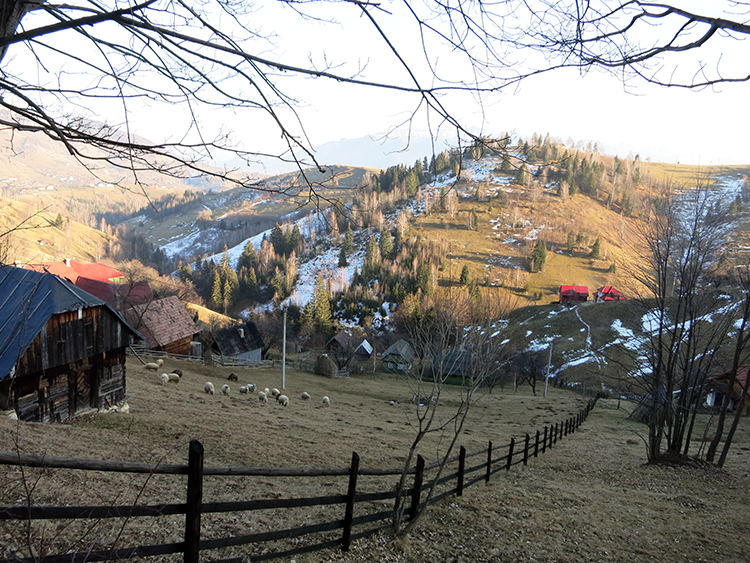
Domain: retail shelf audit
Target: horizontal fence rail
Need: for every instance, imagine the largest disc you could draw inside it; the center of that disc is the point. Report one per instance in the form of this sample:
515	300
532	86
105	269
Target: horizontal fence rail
467	473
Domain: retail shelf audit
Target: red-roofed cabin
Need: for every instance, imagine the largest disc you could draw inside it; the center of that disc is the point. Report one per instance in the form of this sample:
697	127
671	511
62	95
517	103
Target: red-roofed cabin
122	296
608	293
573	293
71	270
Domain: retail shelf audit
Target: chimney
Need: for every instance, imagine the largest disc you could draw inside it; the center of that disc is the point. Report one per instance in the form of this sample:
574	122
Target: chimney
67	262
242	333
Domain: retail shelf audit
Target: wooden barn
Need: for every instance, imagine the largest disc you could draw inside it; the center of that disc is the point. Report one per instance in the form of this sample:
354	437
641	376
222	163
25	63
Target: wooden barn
62	350
608	293
242	341
573	293
165	324
718	388
398	358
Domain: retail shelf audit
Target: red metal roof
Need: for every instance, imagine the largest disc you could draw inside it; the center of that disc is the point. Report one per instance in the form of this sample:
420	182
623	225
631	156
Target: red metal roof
574	288
609	293
71	270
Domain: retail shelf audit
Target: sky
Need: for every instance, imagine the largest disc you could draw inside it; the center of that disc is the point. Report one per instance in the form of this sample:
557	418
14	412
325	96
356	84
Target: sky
663	124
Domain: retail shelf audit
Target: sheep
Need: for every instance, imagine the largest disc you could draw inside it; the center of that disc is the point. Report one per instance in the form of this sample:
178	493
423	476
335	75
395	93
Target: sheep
251	387
263	397
225	389
275	392
326	401
267	391
243	390
164	378
233	377
283	400
208	387
305	396
173	377
177	371
153	366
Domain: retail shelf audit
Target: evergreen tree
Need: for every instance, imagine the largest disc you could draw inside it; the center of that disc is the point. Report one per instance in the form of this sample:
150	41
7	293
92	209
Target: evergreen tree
539	257
278	240
465	275
596	249
217	295
342	258
571	241
248	258
424	278
323	317
386	244
348	239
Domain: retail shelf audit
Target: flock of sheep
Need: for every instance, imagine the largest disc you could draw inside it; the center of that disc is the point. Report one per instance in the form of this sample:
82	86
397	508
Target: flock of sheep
208	387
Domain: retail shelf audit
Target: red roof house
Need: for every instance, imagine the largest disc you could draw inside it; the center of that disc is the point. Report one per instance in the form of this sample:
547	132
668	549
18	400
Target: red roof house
71	270
719	386
120	296
608	293
573	293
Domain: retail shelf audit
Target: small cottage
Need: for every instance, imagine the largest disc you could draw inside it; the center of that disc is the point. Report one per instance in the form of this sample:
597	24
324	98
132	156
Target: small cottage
62	350
718	388
71	270
573	293
608	293
241	341
165	324
398	358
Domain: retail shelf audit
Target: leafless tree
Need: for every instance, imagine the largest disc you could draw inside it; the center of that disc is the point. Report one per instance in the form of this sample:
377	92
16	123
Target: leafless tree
451	339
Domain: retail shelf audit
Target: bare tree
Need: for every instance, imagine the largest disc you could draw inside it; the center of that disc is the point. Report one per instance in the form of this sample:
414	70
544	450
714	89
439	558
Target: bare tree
451	340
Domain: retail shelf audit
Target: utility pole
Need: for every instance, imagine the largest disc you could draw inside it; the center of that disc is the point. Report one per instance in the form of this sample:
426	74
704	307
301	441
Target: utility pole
549	361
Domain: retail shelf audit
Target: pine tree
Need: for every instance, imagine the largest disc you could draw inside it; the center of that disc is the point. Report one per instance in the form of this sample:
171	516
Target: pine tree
539	257
348	239
217	296
323	317
248	258
342	258
571	241
465	275
596	249
386	244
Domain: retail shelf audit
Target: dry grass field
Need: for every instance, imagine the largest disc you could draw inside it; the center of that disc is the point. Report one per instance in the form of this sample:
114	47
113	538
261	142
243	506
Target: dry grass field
590	498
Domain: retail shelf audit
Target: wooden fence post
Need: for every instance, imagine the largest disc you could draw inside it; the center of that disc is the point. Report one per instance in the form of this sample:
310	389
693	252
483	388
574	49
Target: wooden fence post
510	453
349	513
489	463
194	500
461	466
526	451
544	442
556	433
417	489
536	445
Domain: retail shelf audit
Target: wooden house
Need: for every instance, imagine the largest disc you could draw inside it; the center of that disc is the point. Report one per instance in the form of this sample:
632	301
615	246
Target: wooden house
573	293
71	270
165	324
398	358
718	388
347	346
242	341
62	350
608	293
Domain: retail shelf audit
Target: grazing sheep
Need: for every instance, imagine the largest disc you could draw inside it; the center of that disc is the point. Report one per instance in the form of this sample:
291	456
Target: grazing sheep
267	391
153	366
173	378
209	388
164	378
305	395
251	387
283	400
177	371
243	390
233	377
262	397
326	401
225	389
275	392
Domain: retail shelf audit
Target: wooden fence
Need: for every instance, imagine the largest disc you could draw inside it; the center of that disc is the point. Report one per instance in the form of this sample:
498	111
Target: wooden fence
352	527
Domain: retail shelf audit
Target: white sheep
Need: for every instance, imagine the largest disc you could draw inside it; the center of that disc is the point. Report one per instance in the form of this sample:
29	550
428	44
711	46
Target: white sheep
164	378
305	395
263	397
275	392
209	388
153	366
283	400
267	391
225	389
243	390
251	387
173	378
326	401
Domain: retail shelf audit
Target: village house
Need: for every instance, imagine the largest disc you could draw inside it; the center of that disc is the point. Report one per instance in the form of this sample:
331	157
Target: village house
608	293
573	293
398	358
62	350
165	325
718	388
241	341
